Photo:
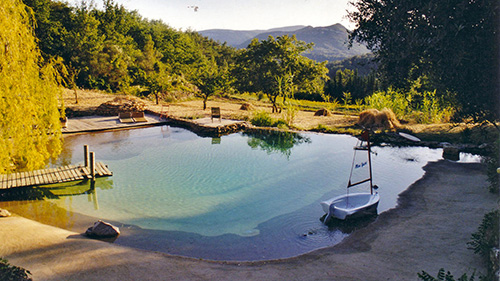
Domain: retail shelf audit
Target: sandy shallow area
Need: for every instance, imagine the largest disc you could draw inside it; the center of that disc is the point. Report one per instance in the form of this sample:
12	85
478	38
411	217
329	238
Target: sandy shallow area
428	230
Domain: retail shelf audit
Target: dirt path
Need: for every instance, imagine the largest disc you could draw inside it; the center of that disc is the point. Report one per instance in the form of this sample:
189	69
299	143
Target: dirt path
427	231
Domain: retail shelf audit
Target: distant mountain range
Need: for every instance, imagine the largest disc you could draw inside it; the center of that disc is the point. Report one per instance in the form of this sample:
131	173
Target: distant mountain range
330	42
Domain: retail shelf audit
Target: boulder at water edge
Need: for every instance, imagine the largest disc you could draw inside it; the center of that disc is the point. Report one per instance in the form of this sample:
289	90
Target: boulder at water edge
102	229
4	213
451	153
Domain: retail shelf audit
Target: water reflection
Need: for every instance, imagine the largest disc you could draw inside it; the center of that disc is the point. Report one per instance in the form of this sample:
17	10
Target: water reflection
276	141
57	191
350	225
86	187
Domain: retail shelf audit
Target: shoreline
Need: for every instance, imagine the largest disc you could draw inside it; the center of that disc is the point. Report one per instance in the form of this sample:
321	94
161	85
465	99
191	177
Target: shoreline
426	231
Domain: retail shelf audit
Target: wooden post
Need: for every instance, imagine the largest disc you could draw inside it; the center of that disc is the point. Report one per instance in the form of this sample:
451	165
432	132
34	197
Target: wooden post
92	165
86	155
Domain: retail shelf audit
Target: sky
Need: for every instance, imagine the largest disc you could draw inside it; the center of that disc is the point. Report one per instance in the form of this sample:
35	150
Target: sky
238	14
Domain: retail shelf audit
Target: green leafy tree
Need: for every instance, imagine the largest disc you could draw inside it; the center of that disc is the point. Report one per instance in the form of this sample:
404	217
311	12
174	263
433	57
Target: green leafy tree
158	83
455	44
266	65
53	20
30	130
211	80
348	80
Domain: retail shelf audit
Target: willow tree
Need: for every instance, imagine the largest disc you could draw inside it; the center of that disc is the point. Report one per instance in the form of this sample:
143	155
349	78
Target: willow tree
30	130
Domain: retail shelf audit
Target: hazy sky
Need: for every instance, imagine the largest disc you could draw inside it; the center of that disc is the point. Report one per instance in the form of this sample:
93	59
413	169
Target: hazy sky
238	14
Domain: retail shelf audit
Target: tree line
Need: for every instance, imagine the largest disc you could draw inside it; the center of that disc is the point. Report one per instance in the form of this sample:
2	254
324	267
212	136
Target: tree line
448	46
115	49
451	48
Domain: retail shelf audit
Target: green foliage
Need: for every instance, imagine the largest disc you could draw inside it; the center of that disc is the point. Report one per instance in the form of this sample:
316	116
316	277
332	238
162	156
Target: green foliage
423	107
289	114
486	236
454	44
262	119
442	276
493	162
348	80
115	49
30	130
482	242
10	272
364	65
212	79
277	68
396	100
346	98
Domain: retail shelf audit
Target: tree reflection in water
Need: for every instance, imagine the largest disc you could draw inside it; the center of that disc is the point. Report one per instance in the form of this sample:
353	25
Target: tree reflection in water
276	141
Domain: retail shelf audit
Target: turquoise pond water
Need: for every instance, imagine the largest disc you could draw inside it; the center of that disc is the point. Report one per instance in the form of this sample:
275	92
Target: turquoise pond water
238	197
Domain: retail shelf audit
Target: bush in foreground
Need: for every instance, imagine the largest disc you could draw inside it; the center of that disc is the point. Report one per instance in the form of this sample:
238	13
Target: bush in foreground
10	272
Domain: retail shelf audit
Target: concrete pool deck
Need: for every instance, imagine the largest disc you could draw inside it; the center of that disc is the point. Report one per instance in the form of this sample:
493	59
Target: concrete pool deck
427	231
103	123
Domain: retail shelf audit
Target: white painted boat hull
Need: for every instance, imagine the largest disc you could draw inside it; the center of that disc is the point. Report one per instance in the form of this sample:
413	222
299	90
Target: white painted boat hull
350	205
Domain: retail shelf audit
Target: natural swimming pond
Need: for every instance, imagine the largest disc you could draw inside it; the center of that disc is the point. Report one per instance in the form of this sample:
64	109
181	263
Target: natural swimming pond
238	197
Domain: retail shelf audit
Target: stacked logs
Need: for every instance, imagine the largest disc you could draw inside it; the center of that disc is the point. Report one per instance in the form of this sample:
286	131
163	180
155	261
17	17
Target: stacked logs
120	104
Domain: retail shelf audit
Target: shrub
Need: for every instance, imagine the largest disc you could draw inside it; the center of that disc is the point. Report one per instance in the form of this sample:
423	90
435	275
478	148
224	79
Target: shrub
12	273
492	162
485	239
289	114
395	100
423	107
262	119
442	276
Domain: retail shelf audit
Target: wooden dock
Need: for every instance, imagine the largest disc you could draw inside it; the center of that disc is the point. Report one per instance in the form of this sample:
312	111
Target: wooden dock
52	175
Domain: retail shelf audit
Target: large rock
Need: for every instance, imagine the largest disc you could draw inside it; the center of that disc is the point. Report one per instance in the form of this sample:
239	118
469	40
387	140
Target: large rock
102	229
451	152
120	104
4	213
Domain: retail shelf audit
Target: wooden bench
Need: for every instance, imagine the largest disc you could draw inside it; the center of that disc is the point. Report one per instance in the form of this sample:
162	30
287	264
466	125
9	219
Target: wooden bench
125	117
139	117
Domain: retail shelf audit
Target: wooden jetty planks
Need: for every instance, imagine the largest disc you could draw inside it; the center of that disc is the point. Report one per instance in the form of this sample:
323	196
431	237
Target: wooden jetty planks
51	176
66	175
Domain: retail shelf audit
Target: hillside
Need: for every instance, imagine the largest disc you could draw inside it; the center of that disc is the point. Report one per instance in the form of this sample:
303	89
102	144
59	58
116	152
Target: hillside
364	64
330	41
236	38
